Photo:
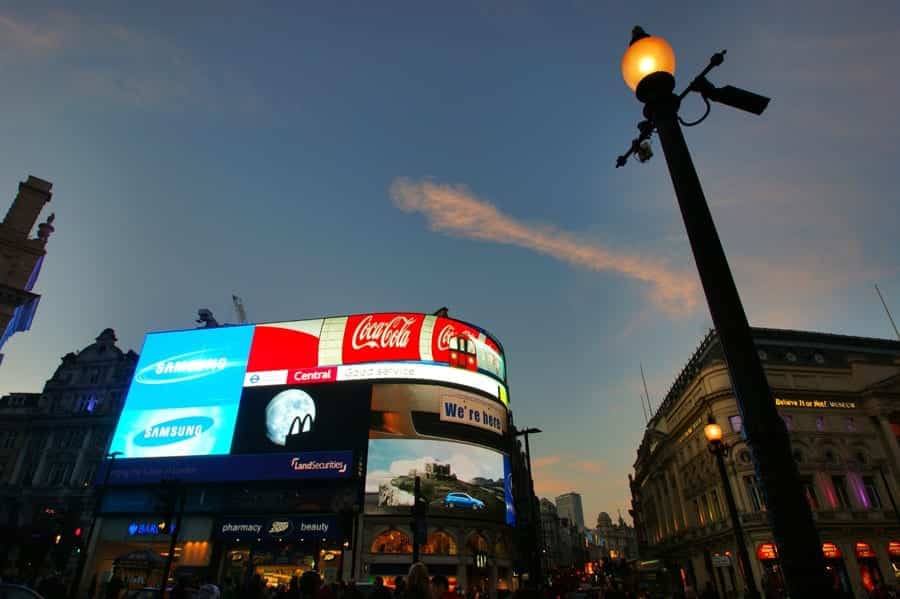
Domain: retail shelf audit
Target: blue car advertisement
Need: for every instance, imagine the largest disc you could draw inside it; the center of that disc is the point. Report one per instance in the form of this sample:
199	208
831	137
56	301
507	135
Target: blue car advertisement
184	397
455	478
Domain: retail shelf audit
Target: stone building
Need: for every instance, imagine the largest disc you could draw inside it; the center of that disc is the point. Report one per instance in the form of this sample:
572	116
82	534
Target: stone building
615	540
50	446
839	397
21	256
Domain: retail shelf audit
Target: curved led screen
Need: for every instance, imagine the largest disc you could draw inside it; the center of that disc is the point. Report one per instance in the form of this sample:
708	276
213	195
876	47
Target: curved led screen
300	393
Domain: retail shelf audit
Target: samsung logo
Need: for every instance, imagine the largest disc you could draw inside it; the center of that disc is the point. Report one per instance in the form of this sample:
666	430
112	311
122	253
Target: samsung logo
173	431
183	367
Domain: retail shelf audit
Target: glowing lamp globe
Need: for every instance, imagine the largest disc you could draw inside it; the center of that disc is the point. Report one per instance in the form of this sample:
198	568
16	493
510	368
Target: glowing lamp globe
713	432
646	56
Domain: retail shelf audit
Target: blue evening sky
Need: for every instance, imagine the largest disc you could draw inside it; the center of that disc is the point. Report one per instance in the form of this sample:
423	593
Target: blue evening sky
328	158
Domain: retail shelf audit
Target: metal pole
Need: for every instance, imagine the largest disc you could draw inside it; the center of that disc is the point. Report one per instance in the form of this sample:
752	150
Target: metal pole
175	531
887	311
416	523
789	515
743	556
537	558
101	495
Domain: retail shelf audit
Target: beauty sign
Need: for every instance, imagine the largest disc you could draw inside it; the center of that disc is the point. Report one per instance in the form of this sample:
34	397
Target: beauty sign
470	411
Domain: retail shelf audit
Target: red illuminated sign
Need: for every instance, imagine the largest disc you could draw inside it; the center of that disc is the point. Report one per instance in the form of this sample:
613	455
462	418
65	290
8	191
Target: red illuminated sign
831	551
894	548
285	345
767	551
304	376
382	337
864	550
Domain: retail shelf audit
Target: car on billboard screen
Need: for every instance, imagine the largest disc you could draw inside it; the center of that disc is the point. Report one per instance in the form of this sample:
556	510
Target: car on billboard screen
455	478
462	500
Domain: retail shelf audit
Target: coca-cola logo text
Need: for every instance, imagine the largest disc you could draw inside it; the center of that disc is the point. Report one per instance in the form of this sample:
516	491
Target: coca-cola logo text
382	334
446	334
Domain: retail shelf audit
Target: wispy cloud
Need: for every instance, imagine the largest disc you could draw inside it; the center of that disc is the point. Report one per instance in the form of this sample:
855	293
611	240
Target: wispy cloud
97	59
455	210
24	37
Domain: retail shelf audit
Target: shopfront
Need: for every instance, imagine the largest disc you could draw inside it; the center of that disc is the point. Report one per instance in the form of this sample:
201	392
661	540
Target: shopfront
869	572
836	568
136	550
894	555
773	578
278	548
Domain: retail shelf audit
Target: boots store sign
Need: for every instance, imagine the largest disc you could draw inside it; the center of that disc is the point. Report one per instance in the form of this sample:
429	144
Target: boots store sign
279	528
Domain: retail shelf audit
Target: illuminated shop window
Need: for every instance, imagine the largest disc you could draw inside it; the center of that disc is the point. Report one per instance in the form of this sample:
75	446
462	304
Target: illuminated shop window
440	543
736	423
477	544
392	541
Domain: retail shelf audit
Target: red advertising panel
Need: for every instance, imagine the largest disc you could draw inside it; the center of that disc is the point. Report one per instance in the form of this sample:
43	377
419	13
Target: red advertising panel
382	337
831	551
445	332
864	550
285	345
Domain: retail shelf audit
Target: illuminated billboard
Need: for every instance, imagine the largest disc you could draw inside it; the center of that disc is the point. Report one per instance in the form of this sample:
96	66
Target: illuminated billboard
276	394
456	479
184	397
453	440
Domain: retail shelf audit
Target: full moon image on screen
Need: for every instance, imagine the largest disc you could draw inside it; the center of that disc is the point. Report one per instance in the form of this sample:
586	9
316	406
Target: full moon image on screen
291	412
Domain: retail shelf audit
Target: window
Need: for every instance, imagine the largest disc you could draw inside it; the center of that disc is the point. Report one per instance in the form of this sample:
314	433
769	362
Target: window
69	438
872	492
8	439
94	377
392	541
809	490
820	423
744	457
701	517
714	506
830	456
791	356
850	424
798	456
736	423
754	494
87	476
440	543
704	510
840	492
477	544
788	421
59	473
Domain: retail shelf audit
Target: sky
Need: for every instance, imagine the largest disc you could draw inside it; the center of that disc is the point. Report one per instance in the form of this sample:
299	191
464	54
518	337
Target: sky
330	158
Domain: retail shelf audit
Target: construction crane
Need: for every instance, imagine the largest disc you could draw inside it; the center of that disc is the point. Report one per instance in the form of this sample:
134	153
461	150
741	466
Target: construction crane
239	309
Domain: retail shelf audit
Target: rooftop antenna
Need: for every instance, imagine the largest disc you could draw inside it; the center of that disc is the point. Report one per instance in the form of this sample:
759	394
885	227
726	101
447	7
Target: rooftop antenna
644	410
887	311
239	308
643	378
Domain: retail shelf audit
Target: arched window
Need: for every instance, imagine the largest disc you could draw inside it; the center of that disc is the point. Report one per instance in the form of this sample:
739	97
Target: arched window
477	544
440	543
392	541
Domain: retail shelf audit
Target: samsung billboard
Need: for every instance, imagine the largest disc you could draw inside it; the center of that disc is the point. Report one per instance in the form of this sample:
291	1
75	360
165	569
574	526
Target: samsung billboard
264	401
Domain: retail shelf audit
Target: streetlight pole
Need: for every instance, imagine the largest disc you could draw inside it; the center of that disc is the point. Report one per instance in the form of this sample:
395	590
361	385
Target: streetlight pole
101	495
537	557
718	448
791	519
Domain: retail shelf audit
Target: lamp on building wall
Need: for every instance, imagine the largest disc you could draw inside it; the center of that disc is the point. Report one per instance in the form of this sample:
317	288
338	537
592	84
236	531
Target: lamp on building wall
648	67
718	447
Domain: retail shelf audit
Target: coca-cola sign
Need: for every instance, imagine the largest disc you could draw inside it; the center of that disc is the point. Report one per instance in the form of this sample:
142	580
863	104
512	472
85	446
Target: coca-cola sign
446	330
373	337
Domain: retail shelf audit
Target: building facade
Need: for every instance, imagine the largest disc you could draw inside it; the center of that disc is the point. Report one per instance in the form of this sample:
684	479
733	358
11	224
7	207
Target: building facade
614	540
839	397
569	507
21	256
50	446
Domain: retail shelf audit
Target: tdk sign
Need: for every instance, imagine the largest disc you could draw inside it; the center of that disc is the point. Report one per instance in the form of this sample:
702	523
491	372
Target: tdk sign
173	431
